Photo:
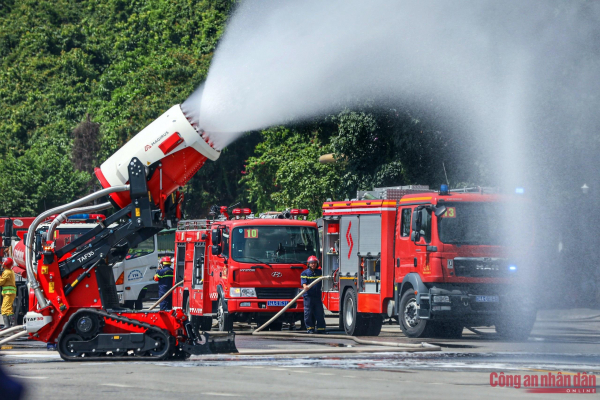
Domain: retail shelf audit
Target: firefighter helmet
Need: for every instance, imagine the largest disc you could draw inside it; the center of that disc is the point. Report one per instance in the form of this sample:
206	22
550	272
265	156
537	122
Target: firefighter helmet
165	261
8	262
312	259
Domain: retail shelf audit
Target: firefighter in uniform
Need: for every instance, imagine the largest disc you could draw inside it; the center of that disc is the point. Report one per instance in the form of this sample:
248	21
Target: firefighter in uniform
313	303
164	277
9	292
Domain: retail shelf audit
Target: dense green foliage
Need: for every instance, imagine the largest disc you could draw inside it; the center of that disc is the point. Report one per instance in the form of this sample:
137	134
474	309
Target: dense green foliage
124	63
372	147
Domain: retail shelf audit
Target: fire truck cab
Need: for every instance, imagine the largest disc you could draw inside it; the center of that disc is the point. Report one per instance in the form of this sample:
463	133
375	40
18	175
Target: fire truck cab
436	261
242	269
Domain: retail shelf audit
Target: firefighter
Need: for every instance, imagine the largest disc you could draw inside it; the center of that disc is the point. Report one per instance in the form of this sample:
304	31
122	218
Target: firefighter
313	303
9	292
164	277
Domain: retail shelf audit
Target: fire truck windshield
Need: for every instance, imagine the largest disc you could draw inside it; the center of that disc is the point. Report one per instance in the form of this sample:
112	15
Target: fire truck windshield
64	236
476	223
274	244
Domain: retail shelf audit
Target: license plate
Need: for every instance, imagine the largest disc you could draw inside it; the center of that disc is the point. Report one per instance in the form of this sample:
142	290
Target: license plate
277	303
487	299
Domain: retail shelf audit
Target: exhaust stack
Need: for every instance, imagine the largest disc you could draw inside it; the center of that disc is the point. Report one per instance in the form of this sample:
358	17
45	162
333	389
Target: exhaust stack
170	148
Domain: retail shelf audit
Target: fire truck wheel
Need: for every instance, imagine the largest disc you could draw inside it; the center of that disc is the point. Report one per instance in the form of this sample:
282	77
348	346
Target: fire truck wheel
516	327
355	323
225	322
447	330
204	323
410	323
276	325
374	325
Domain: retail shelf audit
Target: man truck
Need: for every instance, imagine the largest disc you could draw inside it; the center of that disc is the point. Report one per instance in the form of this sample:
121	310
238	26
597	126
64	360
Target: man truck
436	261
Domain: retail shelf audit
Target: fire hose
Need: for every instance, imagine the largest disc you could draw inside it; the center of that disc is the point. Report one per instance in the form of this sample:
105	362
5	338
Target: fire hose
5	332
258	330
288	305
32	282
164	296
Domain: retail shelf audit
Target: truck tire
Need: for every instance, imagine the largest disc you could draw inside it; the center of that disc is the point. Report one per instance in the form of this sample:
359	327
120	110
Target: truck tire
447	330
134	304
516	327
410	323
355	323
225	322
199	322
374	325
276	325
204	323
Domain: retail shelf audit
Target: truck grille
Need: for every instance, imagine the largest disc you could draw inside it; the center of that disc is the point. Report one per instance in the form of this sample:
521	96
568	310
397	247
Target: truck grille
481	267
276	293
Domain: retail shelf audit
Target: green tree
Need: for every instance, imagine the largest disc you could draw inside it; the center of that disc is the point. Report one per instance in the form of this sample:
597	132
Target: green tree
42	178
286	173
123	62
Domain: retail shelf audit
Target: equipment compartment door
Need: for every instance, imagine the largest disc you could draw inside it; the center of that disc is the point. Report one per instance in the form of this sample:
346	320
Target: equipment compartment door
370	235
199	294
349	245
179	274
331	251
198	272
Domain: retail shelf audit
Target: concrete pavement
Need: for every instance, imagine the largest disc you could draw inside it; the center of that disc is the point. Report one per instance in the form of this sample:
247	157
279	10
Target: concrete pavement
566	341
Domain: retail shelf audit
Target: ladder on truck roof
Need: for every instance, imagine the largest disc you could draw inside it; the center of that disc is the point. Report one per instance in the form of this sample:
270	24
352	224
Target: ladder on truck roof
193	224
392	192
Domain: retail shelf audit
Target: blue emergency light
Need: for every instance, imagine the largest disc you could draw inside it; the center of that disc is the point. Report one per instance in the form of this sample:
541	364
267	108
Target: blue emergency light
79	216
512	267
444	190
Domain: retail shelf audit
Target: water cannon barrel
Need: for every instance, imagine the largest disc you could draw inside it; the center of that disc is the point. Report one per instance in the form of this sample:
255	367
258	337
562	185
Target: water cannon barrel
172	151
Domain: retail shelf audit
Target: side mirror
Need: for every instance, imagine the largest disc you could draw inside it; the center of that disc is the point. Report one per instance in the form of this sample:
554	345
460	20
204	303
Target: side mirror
440	210
216	250
216	237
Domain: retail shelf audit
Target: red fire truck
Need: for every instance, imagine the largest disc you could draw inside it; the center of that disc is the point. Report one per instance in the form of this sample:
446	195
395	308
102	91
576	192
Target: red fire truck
242	268
436	261
13	229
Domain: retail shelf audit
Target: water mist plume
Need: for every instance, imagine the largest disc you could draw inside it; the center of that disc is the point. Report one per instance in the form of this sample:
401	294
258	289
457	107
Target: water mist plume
520	77
491	62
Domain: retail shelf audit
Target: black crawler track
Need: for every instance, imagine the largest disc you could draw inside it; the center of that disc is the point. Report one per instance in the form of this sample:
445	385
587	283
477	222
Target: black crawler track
102	315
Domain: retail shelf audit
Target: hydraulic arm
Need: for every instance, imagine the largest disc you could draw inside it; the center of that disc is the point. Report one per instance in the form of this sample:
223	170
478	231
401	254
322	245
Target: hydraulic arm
76	304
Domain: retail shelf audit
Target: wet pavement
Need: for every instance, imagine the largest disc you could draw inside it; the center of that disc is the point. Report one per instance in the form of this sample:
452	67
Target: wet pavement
566	341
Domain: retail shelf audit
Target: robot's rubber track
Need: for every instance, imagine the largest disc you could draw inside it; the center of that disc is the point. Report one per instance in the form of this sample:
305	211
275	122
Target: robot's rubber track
104	315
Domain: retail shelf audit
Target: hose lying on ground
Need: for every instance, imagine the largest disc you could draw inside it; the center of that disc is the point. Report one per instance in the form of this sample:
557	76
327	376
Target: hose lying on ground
337	350
17	328
13	337
354	338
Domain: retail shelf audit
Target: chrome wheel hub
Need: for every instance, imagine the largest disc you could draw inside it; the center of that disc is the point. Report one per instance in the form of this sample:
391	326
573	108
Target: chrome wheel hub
411	315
